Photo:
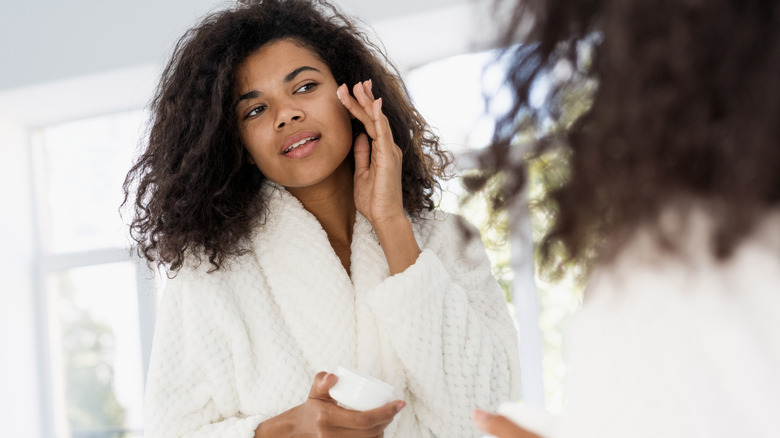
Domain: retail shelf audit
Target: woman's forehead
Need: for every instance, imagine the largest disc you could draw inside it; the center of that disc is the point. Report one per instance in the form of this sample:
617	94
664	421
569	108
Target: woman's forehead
274	61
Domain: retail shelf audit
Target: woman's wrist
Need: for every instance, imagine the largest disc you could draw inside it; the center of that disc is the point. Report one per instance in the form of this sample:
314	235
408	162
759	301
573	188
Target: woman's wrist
396	236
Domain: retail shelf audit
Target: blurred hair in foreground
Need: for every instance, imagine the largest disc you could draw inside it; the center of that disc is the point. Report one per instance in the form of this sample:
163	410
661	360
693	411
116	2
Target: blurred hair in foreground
651	104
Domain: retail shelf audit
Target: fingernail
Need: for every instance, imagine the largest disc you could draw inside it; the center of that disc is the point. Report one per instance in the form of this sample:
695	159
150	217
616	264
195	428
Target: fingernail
400	405
370	84
338	92
478	416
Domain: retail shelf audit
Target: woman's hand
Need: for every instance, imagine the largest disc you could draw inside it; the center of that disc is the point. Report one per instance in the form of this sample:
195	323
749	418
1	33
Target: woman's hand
377	191
499	426
319	416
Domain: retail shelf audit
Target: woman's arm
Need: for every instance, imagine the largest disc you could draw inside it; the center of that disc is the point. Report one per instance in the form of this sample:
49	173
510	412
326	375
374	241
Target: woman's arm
442	309
378	192
182	399
449	325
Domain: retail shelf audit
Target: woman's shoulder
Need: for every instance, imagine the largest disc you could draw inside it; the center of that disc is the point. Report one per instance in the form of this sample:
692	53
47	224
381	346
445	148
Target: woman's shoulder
647	275
452	237
677	326
199	276
683	238
438	227
440	222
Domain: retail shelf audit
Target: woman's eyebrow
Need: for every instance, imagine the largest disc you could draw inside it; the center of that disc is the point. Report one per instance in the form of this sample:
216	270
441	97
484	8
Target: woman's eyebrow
290	76
250	95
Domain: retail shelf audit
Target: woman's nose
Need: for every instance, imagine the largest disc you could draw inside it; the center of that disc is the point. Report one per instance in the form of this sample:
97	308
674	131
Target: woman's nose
287	115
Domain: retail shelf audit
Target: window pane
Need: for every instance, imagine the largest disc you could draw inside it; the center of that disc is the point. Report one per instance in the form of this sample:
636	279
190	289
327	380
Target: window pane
82	167
450	94
95	351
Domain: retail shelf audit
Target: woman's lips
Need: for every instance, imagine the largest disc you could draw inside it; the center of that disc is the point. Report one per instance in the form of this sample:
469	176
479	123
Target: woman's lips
304	149
300	144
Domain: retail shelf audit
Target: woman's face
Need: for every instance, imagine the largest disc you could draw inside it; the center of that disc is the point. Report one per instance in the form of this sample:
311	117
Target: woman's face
290	120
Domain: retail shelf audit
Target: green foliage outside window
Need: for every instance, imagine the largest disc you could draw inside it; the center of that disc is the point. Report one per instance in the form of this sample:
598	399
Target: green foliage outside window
93	410
559	282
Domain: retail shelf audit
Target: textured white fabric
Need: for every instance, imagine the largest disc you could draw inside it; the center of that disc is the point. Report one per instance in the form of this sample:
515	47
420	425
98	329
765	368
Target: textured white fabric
236	347
679	345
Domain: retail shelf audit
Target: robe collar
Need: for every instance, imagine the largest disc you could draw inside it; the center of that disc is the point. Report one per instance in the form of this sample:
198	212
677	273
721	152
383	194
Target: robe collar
316	297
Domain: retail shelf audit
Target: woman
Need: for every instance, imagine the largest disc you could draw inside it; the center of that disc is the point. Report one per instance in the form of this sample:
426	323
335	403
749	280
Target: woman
297	222
673	198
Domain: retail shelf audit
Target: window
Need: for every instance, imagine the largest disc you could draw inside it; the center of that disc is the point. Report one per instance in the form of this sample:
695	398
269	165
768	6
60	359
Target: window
95	300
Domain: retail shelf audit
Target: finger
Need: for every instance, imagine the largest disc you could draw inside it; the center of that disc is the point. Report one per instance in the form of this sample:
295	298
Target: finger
370	89
368	420
382	126
351	104
376	109
322	383
359	90
362	152
499	425
356	109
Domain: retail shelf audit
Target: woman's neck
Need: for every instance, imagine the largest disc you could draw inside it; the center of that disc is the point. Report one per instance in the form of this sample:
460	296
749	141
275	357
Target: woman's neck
332	203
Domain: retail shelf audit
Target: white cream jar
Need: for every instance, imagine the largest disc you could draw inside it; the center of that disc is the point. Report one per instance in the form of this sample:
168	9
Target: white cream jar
360	392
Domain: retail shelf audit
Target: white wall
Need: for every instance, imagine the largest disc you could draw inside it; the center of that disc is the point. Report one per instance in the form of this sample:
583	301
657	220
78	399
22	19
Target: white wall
18	372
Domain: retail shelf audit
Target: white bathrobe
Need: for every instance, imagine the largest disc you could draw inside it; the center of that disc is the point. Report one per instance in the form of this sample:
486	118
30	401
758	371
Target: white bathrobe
238	346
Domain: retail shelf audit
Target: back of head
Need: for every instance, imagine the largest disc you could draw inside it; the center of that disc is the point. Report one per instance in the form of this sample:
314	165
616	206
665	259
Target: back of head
684	103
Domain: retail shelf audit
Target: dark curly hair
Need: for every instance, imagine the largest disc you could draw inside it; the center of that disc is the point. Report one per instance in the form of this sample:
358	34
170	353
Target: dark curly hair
194	192
684	105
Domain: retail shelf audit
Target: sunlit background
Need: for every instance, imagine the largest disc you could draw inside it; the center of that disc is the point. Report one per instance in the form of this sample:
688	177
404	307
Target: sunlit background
77	309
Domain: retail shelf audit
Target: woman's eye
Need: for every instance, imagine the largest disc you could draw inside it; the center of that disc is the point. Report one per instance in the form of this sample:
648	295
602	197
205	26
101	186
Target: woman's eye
306	87
256	111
